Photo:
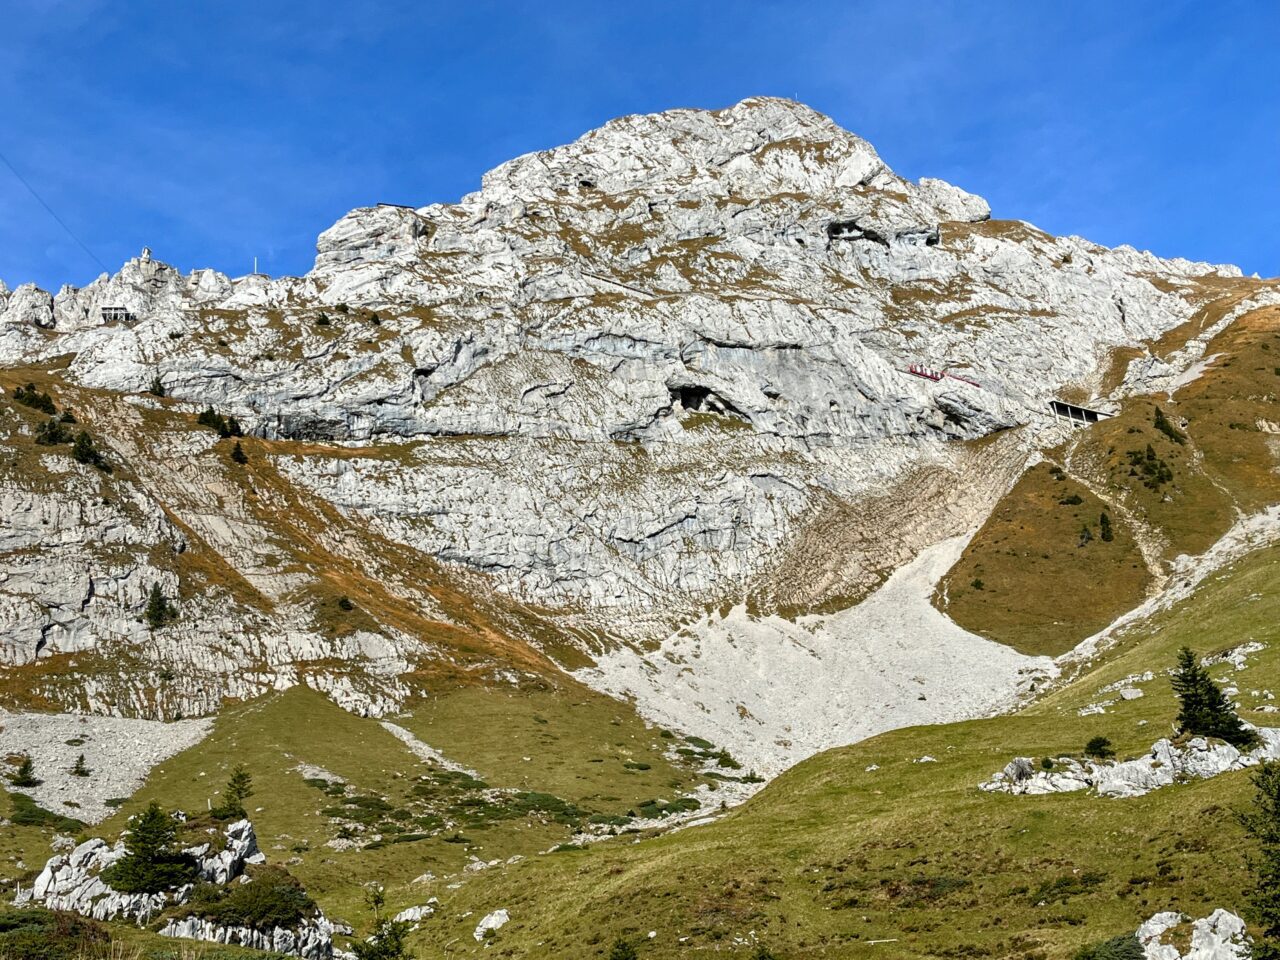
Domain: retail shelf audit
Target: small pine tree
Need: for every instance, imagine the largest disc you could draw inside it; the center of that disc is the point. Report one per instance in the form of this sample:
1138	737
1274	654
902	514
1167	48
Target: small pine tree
1085	534
25	775
345	603
83	449
159	610
79	769
239	788
157	387
152	861
387	943
1204	710
622	950
1263	826
233	428
762	952
1105	523
238	454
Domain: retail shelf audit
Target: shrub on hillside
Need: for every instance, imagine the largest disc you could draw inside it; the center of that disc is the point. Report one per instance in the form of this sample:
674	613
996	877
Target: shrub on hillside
159	610
29	396
622	950
1099	748
386	943
25	812
272	898
1124	947
226	427
36	934
1204	710
51	433
85	452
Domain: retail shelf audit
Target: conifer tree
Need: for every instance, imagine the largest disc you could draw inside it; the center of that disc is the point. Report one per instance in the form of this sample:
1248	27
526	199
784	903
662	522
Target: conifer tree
25	775
1105	523
80	769
83	449
152	861
159	610
239	788
1204	710
238	454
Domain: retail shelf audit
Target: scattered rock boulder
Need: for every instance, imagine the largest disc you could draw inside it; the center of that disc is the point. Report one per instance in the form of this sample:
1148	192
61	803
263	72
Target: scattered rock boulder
1219	936
491	922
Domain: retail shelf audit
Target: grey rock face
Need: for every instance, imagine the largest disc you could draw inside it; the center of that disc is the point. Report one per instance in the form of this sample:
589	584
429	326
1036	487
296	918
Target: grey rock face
628	380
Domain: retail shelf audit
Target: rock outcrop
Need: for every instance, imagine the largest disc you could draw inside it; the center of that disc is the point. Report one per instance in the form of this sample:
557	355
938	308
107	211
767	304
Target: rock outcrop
312	940
1168	763
1219	936
73	882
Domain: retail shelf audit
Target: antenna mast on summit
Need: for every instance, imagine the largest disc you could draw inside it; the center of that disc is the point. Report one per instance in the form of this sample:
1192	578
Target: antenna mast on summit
255	266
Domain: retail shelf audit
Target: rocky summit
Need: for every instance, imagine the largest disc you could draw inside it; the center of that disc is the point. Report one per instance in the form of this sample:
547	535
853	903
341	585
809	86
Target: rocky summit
708	426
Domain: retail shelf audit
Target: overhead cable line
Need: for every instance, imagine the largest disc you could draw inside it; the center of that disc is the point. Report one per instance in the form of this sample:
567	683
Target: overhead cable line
62	223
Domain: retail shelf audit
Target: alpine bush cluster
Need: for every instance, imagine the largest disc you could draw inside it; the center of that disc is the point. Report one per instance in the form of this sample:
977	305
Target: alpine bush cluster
29	396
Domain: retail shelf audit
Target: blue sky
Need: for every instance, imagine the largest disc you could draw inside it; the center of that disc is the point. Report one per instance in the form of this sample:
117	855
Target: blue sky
217	131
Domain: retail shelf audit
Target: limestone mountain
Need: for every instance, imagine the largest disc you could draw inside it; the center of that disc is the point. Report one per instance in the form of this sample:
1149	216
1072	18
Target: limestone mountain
709	412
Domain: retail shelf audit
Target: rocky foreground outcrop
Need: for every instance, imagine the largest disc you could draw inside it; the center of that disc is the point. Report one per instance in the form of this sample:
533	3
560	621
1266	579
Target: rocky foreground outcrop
73	882
1167	763
312	940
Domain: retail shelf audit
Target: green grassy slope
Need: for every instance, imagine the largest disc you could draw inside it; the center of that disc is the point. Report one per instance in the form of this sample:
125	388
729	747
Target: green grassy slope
1044	589
825	860
831	856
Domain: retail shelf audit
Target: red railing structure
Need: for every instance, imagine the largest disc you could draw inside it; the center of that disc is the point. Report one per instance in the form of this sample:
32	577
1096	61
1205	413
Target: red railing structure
919	371
956	376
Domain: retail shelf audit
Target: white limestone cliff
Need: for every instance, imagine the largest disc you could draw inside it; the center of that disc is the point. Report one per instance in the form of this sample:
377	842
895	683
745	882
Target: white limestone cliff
632	379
